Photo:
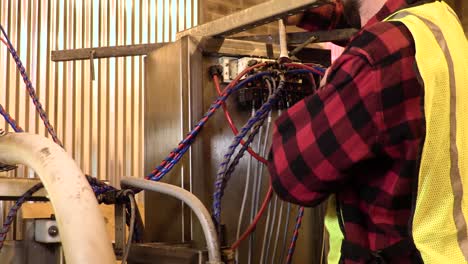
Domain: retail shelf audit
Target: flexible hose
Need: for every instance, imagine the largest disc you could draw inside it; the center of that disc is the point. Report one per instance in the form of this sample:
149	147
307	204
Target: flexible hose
254	223
285	234
265	234
270	231
193	202
224	166
280	218
244	197
131	227
252	207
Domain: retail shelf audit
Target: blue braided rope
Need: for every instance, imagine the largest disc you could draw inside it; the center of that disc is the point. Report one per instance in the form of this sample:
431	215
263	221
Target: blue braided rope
30	89
292	247
243	149
10	120
98	187
261	114
174	157
320	69
14	209
298	71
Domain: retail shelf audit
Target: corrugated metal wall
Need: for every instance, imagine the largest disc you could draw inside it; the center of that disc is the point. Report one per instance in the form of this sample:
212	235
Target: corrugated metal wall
100	122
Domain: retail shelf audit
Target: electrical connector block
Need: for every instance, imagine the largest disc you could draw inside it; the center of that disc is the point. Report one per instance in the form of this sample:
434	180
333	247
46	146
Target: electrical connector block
226	62
234	66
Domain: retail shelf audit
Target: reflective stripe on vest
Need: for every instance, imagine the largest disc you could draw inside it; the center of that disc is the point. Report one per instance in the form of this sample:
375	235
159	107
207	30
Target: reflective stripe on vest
332	224
439	224
440	218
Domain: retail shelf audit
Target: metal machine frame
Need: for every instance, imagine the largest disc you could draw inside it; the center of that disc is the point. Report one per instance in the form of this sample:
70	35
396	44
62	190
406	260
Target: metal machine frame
182	98
177	77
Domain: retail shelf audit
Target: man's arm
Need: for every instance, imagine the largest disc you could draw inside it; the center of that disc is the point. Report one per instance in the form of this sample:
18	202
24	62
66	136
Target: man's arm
324	17
316	141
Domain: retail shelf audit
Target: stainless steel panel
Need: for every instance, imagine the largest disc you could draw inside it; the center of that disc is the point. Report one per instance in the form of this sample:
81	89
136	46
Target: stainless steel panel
29	251
172	94
177	76
166	254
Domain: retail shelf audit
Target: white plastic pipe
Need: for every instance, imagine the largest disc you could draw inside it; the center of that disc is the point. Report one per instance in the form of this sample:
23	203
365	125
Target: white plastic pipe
193	202
80	222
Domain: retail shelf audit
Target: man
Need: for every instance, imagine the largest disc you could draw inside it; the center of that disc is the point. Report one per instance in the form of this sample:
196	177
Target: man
385	139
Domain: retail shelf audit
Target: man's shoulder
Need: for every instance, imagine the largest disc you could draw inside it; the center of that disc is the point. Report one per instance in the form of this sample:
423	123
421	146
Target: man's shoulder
383	41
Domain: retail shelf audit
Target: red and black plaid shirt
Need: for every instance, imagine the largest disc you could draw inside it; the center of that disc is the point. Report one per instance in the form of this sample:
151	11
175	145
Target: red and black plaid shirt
358	137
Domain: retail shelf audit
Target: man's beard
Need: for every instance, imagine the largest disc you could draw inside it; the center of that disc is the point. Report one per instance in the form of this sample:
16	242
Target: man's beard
351	13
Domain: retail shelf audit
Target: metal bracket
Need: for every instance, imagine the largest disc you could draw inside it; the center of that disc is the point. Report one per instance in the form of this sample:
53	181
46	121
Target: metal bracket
13	188
120	229
4	167
249	18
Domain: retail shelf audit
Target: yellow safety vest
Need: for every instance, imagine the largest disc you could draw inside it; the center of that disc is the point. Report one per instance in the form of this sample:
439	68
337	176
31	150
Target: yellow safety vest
440	218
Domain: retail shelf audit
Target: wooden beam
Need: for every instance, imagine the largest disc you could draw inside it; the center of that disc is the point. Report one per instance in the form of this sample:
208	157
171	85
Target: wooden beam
13	188
104	52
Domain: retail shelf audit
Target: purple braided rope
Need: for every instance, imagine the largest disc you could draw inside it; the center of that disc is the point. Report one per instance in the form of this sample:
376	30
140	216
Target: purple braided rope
10	120
31	90
259	116
98	187
14	209
292	247
160	171
243	149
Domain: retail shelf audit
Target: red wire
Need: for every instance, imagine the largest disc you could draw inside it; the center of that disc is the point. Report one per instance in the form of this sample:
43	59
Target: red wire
269	194
232	125
5	42
165	163
297	65
234	129
254	223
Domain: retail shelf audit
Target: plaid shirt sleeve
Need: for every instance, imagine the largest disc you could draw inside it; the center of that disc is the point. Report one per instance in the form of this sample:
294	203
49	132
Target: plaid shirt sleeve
324	17
317	140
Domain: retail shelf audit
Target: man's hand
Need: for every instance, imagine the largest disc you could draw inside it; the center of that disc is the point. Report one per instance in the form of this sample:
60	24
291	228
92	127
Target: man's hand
294	20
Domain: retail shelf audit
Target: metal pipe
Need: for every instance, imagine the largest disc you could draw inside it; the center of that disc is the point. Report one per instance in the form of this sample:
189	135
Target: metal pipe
278	231
265	234
244	198
285	234
284	54
193	202
271	229
253	207
80	222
